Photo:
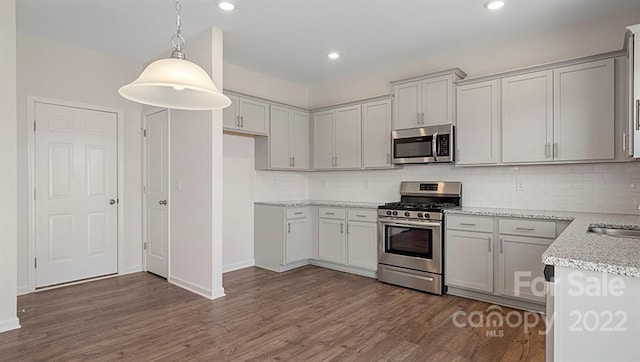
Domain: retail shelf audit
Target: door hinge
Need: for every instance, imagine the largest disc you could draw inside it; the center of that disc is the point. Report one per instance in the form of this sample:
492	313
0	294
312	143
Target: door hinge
144	245
144	133
35	263
34	125
144	189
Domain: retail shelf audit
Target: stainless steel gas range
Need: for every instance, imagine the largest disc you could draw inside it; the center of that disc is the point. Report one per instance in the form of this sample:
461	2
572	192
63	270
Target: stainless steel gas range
410	237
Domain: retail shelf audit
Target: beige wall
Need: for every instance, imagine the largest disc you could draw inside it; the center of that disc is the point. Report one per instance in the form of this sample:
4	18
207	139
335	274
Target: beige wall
8	166
583	39
53	70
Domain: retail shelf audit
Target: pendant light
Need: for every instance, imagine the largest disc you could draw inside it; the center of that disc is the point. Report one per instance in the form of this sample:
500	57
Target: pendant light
175	82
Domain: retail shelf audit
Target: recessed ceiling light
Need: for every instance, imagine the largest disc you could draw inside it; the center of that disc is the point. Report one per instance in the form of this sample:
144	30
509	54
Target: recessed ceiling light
226	5
333	55
494	4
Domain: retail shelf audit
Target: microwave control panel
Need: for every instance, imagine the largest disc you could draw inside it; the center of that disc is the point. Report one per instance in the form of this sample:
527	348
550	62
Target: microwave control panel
443	145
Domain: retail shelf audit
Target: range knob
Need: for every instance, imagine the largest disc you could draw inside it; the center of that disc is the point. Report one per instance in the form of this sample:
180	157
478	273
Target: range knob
427	216
388	212
407	214
395	213
419	214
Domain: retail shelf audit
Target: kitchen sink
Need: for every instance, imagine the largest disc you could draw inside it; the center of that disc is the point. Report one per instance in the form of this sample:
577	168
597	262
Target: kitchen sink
614	231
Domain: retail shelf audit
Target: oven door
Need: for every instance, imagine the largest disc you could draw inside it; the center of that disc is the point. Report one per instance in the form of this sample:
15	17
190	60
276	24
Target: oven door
410	244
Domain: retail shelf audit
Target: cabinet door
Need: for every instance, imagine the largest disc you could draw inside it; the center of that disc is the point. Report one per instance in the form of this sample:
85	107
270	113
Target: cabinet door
437	101
298	240
362	242
477	130
323	138
254	116
376	134
408	102
279	138
520	267
527	117
469	260
230	116
299	139
331	241
348	135
634	60
584	111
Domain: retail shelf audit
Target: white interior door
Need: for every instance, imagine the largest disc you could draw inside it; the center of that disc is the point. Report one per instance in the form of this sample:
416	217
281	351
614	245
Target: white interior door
157	192
75	194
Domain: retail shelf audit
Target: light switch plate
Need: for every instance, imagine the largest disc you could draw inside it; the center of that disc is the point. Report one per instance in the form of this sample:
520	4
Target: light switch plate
519	185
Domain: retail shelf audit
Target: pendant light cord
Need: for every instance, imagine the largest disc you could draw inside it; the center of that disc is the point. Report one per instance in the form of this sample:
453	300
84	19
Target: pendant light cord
177	40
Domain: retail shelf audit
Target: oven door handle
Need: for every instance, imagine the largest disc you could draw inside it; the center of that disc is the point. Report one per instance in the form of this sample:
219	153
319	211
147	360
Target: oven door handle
421	225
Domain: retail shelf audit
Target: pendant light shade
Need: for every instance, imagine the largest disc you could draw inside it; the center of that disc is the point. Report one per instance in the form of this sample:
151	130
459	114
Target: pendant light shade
175	83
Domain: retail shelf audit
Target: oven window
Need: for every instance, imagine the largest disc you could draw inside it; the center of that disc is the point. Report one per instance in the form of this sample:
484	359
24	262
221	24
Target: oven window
409	241
412	147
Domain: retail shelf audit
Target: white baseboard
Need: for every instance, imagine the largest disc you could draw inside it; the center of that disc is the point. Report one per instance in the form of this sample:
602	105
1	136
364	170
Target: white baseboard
204	292
24	289
239	265
9	324
130	269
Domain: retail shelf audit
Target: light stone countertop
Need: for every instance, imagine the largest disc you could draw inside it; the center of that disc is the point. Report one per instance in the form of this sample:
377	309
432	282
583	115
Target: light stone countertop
302	203
575	248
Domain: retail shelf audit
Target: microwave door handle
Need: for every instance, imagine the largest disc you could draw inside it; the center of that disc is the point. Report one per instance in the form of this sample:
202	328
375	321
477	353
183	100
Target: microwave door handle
434	146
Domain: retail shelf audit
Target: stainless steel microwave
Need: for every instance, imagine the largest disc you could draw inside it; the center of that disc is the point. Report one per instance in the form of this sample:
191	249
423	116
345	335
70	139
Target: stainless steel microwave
423	145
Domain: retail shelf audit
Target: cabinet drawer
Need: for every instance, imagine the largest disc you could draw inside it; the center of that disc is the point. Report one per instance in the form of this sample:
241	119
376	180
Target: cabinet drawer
542	229
332	213
469	223
297	213
363	215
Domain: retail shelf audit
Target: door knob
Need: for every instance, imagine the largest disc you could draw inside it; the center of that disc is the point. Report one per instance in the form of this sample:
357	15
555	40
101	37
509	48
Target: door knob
112	202
162	202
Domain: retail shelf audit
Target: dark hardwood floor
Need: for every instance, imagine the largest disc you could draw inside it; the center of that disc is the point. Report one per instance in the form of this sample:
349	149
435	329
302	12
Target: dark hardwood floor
308	314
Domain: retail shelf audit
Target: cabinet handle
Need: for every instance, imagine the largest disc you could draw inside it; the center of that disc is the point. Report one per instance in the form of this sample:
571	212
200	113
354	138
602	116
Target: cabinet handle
422	118
341	228
242	121
298	213
294	161
547	150
489	243
637	114
624	141
361	215
501	242
467	224
329	213
417	118
238	120
289	228
555	150
525	229
348	231
388	158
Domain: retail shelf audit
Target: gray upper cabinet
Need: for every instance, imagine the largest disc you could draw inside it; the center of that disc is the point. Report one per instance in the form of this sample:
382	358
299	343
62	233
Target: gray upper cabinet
246	115
337	138
477	130
376	134
634	91
527	117
428	101
289	139
584	111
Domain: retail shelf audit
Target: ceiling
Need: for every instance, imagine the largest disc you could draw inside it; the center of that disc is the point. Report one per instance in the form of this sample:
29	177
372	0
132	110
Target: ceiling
289	39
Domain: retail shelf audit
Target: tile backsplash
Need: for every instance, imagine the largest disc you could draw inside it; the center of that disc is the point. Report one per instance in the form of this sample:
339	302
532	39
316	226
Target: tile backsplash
604	187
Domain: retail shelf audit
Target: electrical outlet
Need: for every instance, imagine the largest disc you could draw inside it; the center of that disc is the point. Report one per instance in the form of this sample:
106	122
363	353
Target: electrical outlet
519	185
634	185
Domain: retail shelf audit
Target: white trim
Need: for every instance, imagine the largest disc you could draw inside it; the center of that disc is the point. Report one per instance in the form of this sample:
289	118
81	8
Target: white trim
58	286
238	265
204	292
9	324
130	269
23	289
31	113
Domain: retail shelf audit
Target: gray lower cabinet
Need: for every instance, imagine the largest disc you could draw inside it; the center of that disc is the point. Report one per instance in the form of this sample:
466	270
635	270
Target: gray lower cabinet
282	237
498	257
332	241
